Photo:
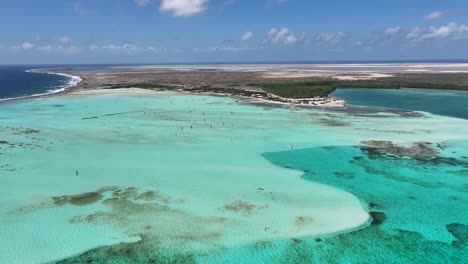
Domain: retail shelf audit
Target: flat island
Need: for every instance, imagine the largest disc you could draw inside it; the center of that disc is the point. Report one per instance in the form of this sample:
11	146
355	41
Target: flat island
278	83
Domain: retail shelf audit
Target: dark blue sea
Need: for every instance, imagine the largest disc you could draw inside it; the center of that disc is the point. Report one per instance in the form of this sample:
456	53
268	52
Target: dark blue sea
17	81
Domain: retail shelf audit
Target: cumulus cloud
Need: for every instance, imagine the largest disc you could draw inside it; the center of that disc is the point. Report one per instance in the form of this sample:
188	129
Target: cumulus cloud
286	37
282	36
123	48
65	49
291	39
59	49
81	10
414	33
64	39
184	8
142	2
112	47
452	31
434	15
24	46
247	36
330	38
392	30
27	46
222	49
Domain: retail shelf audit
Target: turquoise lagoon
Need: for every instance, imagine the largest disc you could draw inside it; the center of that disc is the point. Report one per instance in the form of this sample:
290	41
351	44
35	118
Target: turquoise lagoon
440	102
148	177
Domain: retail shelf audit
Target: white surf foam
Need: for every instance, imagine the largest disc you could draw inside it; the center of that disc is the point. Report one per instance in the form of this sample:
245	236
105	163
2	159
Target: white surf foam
73	81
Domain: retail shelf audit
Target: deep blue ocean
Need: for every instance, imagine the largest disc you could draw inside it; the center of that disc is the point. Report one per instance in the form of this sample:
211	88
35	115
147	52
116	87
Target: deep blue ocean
15	81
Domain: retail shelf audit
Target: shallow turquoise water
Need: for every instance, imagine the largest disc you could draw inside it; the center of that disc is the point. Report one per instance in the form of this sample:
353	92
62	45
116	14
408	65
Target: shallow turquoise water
202	179
440	102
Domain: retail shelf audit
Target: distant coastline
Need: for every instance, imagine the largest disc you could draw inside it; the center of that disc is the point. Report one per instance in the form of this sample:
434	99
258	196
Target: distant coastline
73	80
295	84
302	84
351	61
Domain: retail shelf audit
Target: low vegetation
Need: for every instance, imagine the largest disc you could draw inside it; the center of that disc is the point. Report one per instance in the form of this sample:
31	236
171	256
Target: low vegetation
298	89
200	89
143	86
295	89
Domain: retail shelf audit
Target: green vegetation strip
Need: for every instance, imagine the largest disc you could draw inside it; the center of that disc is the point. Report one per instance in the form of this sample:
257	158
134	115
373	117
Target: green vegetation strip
302	89
201	89
143	86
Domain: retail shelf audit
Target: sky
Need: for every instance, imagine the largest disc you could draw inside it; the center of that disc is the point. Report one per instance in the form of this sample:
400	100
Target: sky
162	31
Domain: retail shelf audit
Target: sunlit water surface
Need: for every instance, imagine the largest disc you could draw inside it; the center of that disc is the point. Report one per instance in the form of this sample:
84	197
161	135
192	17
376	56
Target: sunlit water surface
163	177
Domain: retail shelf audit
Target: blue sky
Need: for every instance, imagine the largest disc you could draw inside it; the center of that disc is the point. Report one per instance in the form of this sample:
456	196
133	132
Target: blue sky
157	31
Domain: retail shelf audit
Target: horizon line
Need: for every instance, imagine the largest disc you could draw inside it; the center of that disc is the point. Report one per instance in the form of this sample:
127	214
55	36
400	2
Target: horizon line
251	62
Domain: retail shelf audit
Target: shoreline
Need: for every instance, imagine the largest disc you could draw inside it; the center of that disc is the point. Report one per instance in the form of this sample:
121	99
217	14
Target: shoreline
292	86
329	102
74	80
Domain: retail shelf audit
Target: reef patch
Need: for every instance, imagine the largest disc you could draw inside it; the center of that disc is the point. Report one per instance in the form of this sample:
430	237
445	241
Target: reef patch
418	150
242	207
378	218
78	199
302	221
460	232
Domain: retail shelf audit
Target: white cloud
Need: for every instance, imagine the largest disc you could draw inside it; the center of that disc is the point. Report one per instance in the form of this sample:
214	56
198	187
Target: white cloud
81	10
331	38
184	8
414	33
112	47
27	46
64	39
291	39
272	32
67	50
277	35
142	2
56	49
24	46
392	30
247	36
124	48
282	36
92	48
434	15
451	30
222	49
